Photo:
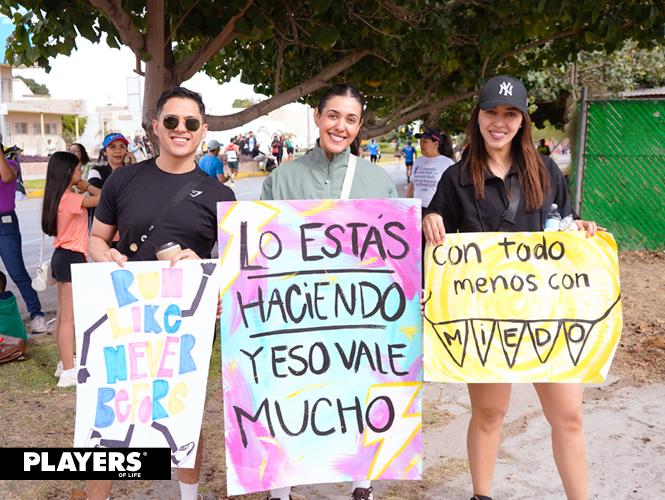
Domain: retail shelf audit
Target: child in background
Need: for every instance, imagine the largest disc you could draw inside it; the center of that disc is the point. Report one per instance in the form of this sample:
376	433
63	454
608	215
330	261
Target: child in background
65	217
11	323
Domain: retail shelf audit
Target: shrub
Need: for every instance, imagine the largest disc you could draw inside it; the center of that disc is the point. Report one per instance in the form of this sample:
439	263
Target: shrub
32	158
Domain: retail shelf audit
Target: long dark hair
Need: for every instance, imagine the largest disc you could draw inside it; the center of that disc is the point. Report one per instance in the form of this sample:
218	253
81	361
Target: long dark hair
85	159
344	90
532	174
59	174
446	146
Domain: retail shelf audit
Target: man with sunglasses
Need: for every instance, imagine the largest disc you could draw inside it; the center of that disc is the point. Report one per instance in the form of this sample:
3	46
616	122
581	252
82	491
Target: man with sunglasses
135	194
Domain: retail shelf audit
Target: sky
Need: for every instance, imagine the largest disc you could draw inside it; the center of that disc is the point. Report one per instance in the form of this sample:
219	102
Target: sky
98	74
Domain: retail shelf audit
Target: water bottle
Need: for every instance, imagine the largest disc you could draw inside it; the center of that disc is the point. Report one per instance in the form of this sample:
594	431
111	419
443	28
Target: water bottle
553	221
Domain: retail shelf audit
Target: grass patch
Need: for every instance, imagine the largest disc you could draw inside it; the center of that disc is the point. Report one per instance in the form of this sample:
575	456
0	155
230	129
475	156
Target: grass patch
34	184
35	413
433	416
35	375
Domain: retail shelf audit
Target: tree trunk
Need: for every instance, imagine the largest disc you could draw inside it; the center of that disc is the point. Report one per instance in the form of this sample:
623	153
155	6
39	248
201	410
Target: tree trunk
154	67
432	119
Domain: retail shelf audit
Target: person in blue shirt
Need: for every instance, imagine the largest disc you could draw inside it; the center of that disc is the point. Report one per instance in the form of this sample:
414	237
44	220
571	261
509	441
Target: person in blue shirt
373	151
211	164
409	155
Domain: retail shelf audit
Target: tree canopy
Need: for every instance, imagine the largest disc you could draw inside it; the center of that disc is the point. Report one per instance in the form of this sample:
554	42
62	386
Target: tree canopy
412	59
243	103
35	88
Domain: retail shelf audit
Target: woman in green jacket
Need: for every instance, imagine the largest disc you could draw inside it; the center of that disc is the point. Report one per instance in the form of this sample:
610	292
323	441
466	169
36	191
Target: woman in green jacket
320	174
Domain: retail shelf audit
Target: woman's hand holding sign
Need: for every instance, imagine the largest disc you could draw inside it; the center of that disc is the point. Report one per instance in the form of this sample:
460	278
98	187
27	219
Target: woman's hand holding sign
433	229
589	226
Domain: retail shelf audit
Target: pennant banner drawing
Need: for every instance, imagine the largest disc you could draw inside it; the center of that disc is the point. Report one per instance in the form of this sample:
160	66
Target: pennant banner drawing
143	341
321	341
521	307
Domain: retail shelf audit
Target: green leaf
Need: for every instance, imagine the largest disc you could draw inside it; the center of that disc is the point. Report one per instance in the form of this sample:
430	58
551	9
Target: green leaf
590	37
326	37
88	32
320	6
112	42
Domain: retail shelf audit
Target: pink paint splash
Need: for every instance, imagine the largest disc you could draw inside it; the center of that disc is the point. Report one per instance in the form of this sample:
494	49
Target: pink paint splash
248	461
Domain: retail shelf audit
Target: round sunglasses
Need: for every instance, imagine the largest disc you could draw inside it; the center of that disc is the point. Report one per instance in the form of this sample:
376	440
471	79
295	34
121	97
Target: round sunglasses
171	122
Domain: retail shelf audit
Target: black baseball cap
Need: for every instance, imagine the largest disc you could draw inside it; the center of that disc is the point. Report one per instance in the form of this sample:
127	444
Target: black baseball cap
503	90
431	133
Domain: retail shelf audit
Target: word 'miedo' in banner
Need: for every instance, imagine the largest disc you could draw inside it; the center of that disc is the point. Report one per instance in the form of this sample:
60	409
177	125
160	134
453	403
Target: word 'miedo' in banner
144	336
521	307
321	341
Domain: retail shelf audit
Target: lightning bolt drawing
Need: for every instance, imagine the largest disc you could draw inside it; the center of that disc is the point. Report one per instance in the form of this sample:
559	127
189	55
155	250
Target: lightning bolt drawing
261	214
405	426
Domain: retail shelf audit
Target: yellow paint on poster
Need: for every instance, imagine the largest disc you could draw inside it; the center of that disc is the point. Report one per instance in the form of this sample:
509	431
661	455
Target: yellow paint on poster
149	284
521	307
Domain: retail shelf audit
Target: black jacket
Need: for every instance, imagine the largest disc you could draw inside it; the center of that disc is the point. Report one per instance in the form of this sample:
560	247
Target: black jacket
455	201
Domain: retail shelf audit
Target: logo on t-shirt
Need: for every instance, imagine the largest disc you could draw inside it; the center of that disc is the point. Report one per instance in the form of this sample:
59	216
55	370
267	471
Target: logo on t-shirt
195	193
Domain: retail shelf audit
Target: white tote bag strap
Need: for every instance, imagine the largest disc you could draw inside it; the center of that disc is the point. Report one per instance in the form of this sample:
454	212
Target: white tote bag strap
41	252
348	178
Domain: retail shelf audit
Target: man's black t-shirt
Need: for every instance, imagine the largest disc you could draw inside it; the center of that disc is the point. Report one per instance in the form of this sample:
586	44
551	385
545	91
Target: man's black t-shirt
134	195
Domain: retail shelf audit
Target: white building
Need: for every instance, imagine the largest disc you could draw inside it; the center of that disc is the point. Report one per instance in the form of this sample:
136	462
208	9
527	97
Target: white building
294	119
31	120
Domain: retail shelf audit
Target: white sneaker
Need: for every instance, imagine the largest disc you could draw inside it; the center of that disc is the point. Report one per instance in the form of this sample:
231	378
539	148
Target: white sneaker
60	368
68	378
38	325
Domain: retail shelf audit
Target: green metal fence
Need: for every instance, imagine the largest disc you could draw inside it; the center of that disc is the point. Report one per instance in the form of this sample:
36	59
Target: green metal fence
623	186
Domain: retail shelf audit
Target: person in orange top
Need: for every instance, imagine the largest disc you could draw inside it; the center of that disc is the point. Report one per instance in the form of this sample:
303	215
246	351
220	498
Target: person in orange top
65	217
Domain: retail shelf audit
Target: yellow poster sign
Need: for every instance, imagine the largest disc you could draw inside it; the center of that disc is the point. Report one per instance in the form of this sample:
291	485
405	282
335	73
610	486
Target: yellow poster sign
521	307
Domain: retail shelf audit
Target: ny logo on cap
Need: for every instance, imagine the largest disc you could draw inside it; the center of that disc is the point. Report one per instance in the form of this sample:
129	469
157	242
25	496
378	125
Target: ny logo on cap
506	89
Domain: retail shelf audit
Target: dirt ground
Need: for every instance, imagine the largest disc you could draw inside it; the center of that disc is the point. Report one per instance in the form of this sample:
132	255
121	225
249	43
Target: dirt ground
624	422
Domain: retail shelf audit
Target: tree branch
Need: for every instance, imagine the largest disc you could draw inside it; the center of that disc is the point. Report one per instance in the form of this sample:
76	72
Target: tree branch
278	69
376	131
408	97
264	107
191	64
399	96
138	69
294	25
397	110
401	12
168	39
123	23
482	70
361	19
544	41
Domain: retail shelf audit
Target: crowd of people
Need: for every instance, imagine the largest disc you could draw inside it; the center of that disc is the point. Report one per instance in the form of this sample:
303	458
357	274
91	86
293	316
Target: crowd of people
246	147
97	213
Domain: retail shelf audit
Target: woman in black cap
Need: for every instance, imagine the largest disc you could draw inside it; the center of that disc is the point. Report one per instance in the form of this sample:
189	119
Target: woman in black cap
474	195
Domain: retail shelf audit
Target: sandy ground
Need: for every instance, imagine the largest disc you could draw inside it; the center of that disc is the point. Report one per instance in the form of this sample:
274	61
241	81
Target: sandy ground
625	435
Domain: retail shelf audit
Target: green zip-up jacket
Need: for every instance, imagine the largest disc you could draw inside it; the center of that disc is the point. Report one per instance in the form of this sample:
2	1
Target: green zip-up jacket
314	177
